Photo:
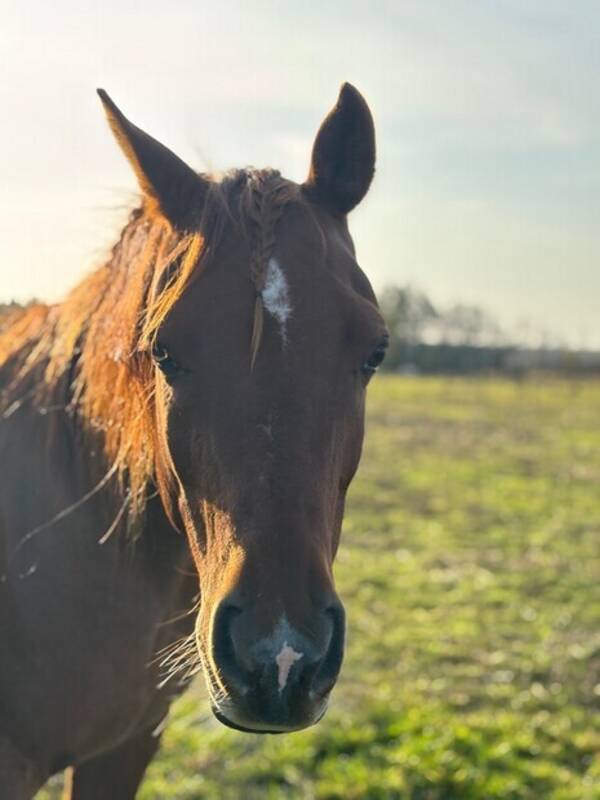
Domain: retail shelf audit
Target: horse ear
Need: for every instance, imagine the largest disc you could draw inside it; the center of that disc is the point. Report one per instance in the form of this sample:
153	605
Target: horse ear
163	177
343	156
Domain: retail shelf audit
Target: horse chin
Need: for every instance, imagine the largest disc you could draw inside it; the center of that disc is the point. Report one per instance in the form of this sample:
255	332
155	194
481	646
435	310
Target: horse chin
229	724
266	728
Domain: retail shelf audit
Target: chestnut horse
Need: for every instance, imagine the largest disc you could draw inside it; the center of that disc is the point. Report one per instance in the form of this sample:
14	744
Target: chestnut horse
176	440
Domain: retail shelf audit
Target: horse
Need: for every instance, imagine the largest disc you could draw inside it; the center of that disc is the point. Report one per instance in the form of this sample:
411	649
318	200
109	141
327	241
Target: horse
177	438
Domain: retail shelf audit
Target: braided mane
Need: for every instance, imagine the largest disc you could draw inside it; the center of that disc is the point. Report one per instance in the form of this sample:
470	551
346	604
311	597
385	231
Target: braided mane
90	354
268	195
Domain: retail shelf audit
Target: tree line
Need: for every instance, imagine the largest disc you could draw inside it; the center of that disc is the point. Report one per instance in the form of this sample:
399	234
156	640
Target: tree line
462	338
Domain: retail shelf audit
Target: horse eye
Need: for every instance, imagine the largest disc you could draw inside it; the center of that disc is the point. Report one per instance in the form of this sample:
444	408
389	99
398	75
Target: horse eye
372	364
166	364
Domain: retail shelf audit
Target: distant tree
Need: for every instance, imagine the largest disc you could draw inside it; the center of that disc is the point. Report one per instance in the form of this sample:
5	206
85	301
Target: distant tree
408	313
466	339
430	338
468	325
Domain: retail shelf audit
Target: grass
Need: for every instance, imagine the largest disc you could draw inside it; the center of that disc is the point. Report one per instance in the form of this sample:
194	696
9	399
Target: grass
470	572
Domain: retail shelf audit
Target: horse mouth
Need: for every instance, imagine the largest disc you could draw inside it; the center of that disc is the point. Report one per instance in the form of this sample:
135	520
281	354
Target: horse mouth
234	725
268	727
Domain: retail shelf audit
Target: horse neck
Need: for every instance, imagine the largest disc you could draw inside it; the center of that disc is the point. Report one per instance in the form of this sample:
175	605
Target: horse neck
61	458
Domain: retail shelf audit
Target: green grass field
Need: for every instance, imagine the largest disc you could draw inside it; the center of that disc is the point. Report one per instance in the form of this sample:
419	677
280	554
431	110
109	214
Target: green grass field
470	572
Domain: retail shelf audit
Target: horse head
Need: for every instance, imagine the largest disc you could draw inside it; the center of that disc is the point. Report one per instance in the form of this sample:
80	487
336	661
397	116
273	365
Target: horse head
262	353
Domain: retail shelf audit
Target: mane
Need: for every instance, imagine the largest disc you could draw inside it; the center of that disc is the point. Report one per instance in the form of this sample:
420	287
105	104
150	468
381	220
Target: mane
94	349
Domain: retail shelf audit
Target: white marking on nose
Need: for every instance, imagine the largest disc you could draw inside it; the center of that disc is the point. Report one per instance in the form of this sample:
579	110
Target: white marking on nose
285	660
276	295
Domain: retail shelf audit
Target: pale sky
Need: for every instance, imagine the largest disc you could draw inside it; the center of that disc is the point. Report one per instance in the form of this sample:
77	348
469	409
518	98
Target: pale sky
487	113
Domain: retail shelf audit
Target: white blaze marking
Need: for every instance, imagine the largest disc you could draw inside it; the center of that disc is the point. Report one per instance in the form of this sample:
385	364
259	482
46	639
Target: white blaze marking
276	295
285	660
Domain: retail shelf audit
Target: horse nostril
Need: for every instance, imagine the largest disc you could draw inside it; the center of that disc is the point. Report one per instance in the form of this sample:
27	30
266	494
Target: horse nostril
329	668
284	669
223	649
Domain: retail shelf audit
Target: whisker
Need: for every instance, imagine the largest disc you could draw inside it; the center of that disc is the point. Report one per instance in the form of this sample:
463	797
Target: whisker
172	649
182	657
187	664
182	615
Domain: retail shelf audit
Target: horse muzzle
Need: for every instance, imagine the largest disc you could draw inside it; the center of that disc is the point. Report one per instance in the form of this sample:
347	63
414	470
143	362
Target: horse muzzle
276	683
